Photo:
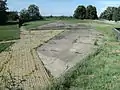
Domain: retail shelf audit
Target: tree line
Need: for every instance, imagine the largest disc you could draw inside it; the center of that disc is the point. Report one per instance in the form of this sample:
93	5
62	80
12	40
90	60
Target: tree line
6	15
3	13
82	12
111	13
33	13
30	14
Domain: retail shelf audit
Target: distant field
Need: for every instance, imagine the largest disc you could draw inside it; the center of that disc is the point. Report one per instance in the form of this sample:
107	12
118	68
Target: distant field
34	24
9	32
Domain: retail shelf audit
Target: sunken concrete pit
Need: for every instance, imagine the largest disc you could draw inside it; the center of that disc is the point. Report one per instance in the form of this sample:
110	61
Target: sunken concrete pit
68	48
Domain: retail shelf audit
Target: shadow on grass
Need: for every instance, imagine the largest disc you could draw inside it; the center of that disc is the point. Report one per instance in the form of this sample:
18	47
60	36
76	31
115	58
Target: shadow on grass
25	24
10	23
5	46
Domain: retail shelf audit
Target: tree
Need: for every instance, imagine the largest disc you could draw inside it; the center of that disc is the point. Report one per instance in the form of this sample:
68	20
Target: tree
116	14
91	12
34	13
3	13
80	12
24	14
30	14
108	13
103	15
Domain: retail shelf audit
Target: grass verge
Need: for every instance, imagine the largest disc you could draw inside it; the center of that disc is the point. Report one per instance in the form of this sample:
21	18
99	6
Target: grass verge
9	32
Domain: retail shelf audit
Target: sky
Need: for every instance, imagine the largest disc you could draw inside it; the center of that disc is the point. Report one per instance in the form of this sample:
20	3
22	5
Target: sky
60	7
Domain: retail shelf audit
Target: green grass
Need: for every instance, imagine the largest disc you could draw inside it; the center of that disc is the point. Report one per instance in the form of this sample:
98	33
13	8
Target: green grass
34	24
99	71
4	46
9	32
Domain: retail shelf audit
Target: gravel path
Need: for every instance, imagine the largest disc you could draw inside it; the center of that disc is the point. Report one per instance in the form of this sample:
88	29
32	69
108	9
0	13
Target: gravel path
21	65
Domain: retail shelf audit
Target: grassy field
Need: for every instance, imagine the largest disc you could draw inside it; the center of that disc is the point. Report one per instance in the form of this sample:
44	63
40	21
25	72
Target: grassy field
9	32
99	71
34	24
12	32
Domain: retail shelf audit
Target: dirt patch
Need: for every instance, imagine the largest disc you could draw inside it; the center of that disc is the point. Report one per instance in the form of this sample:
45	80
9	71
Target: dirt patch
68	48
60	26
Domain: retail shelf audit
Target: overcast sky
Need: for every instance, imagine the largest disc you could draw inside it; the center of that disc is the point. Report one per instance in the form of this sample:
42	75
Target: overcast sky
60	7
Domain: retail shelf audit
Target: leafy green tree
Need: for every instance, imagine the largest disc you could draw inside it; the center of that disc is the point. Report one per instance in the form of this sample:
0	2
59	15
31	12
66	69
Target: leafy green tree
24	14
91	12
80	12
108	13
34	13
116	14
103	15
3	13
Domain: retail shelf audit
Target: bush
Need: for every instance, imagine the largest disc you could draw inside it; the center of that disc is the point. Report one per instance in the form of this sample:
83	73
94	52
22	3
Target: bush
12	15
31	14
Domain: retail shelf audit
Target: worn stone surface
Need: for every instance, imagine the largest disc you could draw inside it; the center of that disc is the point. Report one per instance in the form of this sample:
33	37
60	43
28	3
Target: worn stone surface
68	48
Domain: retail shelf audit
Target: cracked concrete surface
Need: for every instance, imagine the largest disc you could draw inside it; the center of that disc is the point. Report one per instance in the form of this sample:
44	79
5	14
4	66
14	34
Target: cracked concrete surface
67	49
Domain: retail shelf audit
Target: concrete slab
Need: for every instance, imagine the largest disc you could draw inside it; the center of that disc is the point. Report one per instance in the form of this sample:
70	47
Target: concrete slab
67	49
